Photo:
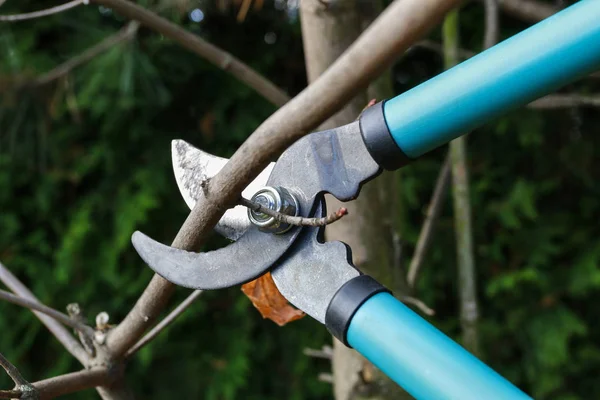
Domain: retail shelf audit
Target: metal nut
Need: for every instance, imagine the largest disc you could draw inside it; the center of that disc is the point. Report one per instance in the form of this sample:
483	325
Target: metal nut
277	199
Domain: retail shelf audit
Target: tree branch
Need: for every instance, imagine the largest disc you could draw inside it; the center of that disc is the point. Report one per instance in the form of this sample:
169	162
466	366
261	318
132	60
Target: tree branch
10	394
399	26
431	217
12	371
63	69
492	22
37	306
59	331
71	383
528	10
554	101
462	208
42	13
169	319
199	46
292	220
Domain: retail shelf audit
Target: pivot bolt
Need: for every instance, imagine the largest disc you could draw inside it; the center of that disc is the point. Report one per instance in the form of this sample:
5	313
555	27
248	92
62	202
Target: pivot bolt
277	199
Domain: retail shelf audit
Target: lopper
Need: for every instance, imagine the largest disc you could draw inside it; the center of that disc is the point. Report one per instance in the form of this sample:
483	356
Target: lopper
318	277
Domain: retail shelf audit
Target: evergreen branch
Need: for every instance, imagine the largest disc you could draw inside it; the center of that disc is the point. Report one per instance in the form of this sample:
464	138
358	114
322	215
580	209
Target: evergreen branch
397	28
57	315
201	47
58	330
63	69
42	13
292	220
168	320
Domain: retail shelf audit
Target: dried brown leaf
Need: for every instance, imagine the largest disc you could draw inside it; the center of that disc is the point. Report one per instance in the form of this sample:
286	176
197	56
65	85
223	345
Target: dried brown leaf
269	301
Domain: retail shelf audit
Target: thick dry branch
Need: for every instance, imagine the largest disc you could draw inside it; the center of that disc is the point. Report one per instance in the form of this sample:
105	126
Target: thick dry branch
397	28
292	220
528	10
431	217
554	101
55	327
42	13
201	47
63	69
37	306
169	319
71	383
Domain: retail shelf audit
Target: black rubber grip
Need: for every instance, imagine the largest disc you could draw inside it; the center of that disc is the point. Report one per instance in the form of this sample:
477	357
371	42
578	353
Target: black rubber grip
346	301
379	141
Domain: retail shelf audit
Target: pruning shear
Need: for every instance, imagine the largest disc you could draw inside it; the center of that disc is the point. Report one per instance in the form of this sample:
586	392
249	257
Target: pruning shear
318	277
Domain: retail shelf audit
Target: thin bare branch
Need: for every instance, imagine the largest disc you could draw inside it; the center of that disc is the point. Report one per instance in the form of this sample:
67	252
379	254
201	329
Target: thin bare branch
398	27
554	101
201	47
10	394
528	10
431	217
326	353
419	304
42	13
492	23
55	327
296	221
37	306
12	371
71	383
169	319
63	69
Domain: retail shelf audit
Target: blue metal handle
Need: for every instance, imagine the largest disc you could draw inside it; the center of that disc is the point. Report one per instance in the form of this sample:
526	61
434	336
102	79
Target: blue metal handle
420	358
527	66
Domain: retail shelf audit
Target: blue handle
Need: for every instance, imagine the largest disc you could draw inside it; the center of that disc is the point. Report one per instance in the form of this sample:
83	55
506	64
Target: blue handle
420	358
523	68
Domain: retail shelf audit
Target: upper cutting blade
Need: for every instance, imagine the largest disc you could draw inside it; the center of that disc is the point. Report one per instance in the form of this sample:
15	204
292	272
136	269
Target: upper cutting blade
192	166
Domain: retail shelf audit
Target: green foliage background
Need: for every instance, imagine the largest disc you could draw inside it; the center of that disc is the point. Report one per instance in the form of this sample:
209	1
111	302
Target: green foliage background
85	161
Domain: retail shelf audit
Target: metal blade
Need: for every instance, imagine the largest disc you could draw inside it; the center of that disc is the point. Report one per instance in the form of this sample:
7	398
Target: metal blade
192	166
313	271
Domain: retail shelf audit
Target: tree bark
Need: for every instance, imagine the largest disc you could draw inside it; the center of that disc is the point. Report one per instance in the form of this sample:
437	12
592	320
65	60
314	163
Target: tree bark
462	209
370	228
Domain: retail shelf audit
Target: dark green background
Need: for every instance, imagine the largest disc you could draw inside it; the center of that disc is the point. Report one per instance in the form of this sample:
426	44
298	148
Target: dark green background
85	161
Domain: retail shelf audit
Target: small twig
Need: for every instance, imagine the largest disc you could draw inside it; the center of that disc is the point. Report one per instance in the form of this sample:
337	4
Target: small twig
57	315
164	323
60	332
108	43
42	13
10	394
199	46
296	221
324	377
326	352
73	382
554	101
431	217
12	371
424	308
